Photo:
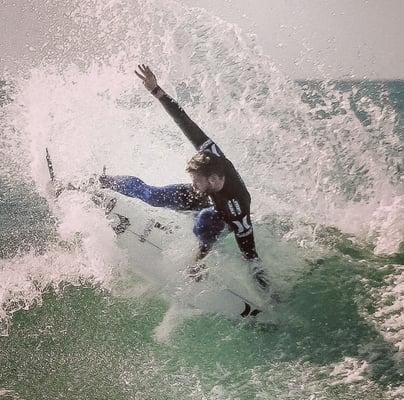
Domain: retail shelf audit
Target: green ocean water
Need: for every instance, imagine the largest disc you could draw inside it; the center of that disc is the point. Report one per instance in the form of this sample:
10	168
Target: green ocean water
337	332
83	342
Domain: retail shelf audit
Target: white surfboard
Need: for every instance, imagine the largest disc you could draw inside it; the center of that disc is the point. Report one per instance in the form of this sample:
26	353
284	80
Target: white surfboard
160	244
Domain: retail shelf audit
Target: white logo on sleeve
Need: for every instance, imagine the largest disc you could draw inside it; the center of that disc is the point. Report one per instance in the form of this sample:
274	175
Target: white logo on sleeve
214	150
234	207
243	227
210	147
205	145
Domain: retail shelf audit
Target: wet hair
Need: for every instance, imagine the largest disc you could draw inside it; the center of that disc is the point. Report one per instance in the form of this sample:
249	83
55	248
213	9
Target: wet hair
206	164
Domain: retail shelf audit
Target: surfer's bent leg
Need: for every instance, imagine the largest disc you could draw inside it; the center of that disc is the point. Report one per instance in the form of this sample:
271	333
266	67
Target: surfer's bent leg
207	228
180	197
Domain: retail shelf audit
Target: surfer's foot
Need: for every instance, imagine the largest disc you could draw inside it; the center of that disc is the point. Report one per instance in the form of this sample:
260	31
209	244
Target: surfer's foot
196	272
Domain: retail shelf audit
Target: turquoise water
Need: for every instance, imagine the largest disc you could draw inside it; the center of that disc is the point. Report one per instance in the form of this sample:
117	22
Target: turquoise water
87	344
322	159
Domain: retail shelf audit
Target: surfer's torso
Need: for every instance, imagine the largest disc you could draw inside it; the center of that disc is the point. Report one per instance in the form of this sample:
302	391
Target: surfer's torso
233	201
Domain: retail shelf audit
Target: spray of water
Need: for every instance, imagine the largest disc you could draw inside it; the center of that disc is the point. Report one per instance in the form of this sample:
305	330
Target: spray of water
315	164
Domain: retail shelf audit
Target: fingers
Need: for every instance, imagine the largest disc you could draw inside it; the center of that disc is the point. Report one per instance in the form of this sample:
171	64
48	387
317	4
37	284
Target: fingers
147	76
149	71
145	70
140	76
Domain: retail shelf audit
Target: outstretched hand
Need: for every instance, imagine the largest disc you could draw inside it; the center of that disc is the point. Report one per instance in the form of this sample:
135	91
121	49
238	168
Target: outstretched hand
147	76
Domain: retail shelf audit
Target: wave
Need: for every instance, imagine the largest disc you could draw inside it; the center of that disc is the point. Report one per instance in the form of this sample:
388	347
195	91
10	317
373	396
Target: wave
314	155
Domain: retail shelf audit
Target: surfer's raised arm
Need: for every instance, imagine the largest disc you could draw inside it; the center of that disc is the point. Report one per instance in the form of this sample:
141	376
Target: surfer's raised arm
191	130
214	177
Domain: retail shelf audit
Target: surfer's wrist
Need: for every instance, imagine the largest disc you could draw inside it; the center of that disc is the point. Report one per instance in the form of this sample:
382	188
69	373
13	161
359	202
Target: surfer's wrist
157	92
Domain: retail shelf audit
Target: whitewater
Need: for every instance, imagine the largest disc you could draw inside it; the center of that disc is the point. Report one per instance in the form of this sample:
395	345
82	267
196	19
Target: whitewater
323	161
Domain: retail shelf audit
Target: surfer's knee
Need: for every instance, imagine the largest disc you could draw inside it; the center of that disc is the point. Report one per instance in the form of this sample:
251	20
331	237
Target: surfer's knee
208	225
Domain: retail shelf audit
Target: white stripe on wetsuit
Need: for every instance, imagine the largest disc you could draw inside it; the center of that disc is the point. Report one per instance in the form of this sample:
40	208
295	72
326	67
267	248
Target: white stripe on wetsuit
213	147
244	228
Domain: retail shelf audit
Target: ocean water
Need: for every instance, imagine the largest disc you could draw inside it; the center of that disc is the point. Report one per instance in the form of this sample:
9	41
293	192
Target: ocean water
323	161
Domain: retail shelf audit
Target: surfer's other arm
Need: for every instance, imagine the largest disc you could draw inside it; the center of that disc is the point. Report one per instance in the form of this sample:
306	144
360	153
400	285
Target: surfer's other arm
243	232
191	130
244	235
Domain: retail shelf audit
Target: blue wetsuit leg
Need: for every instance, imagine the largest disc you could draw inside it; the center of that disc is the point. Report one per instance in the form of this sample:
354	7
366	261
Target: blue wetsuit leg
208	223
180	197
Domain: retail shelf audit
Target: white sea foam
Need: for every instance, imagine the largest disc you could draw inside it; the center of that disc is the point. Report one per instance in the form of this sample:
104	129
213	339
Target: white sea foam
86	252
87	107
387	226
175	315
23	280
389	318
90	110
349	371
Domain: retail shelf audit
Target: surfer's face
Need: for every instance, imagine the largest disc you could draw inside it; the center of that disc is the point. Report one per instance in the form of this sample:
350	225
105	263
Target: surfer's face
206	184
200	182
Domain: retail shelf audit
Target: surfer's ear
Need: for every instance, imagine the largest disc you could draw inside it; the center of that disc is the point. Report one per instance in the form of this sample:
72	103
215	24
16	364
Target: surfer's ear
215	178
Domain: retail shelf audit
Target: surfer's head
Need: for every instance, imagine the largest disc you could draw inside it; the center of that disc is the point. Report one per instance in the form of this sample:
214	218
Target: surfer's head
207	172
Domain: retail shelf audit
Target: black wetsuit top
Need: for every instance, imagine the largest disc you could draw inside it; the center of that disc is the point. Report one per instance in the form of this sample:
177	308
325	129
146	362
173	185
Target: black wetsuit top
233	201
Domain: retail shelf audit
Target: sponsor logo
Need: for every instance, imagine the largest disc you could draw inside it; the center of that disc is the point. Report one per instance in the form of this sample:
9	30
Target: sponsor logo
234	207
210	147
243	227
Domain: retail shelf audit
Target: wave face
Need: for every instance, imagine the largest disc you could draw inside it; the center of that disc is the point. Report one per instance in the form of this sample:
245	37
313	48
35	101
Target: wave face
324	152
323	161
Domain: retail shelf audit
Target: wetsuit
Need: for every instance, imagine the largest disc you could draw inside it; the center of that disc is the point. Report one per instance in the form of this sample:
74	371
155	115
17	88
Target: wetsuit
231	205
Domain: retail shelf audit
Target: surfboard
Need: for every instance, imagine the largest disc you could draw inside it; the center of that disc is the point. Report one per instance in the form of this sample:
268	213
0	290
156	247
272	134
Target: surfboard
160	245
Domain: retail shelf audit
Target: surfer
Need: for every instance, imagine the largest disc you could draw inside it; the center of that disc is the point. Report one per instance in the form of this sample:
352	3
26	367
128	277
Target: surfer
217	192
